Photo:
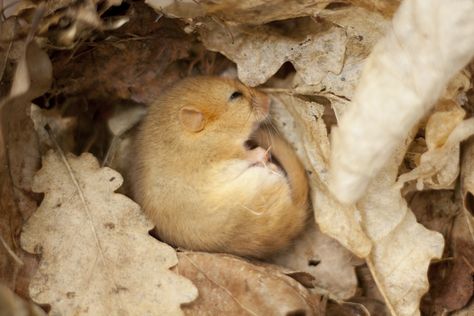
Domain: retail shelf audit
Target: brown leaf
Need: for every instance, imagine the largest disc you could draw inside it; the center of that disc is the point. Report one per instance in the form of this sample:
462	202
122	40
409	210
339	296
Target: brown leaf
20	159
313	47
229	285
451	278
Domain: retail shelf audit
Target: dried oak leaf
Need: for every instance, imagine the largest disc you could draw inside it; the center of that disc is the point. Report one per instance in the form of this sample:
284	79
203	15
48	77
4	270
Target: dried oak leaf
380	228
363	28
314	48
229	285
96	255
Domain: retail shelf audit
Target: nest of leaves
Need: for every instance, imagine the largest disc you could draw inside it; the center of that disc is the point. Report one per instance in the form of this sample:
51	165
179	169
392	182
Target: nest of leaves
77	77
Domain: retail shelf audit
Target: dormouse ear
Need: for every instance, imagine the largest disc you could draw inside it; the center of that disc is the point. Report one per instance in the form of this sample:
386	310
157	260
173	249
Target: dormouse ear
192	119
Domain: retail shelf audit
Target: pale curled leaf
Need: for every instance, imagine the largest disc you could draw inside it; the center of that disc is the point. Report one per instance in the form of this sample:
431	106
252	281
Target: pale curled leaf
303	125
402	248
380	228
363	29
229	285
441	162
259	51
408	70
82	228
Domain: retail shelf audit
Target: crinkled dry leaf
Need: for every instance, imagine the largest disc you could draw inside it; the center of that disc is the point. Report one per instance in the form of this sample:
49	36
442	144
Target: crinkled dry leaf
82	228
301	121
20	159
67	21
363	29
12	305
325	259
314	48
229	285
387	7
401	248
442	162
241	11
407	72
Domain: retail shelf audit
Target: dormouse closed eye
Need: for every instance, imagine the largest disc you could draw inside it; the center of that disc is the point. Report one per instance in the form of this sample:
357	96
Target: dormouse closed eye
235	95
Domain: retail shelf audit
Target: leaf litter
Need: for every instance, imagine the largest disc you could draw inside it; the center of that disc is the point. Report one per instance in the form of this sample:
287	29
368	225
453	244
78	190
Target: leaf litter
83	228
330	46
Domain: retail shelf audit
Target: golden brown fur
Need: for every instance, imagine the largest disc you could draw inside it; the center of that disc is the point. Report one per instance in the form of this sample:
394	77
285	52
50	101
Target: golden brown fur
199	184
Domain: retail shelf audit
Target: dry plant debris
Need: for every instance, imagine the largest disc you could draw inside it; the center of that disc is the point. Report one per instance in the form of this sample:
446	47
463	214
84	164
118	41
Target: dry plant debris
13	305
83	228
407	72
265	290
387	184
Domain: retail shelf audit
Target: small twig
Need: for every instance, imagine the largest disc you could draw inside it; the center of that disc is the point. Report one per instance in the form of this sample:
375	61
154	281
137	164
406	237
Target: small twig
10	252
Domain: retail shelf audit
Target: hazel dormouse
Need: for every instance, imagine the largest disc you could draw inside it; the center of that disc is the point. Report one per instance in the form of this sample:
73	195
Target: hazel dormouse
201	184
